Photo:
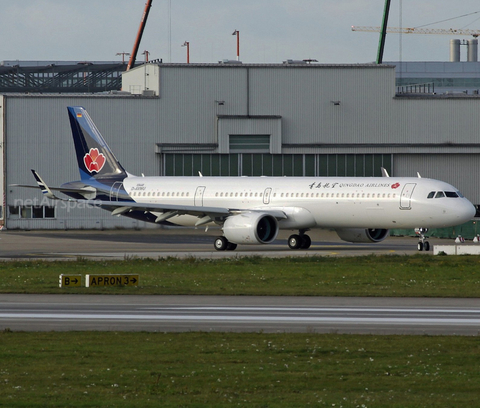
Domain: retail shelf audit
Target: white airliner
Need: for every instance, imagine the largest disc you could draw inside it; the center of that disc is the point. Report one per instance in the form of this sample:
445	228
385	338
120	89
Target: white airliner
252	210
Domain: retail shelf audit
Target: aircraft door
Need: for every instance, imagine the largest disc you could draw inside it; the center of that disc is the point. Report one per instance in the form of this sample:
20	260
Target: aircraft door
115	190
406	196
266	195
198	201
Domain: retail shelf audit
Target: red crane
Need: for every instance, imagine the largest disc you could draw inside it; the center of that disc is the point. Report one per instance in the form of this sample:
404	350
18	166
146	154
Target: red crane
143	22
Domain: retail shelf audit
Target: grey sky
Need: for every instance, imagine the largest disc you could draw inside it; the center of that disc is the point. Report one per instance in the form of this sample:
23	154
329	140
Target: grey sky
270	30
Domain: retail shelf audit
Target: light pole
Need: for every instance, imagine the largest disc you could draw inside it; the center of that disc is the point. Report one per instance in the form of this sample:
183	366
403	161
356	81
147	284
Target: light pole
123	55
237	33
146	53
187	44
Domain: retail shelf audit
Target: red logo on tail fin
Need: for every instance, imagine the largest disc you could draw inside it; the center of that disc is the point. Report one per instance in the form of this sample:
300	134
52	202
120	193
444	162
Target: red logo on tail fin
94	160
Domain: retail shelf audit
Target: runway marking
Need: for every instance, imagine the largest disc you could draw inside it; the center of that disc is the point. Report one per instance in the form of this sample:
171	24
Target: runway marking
315	309
430	321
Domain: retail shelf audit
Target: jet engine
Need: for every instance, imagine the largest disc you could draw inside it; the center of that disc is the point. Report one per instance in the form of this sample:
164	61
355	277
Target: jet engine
251	228
362	235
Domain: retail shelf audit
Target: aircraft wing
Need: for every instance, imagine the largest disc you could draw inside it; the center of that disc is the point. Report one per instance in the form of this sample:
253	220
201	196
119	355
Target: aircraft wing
166	211
162	211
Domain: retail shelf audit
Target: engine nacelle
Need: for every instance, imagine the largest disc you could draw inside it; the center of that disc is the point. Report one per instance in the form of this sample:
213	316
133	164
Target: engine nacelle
251	228
362	235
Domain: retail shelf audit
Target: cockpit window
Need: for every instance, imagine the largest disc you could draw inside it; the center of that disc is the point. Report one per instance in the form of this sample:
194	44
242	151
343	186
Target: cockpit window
439	194
460	194
431	194
451	194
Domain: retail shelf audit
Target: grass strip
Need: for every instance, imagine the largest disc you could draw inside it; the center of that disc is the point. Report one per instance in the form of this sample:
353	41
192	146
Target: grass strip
419	275
217	369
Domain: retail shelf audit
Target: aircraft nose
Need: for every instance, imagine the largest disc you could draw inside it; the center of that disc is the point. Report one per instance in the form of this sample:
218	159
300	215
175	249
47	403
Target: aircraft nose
467	211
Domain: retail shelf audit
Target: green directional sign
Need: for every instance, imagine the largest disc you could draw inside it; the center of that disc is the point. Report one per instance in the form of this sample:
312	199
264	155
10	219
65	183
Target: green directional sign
67	281
111	280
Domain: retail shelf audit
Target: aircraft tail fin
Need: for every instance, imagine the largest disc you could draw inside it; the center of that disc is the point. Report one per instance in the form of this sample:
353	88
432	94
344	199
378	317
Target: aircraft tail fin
95	159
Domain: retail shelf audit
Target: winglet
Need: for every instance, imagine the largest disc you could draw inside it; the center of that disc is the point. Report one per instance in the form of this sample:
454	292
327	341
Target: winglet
385	172
43	186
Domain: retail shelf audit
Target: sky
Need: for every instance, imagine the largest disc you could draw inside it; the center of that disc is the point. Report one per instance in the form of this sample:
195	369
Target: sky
271	31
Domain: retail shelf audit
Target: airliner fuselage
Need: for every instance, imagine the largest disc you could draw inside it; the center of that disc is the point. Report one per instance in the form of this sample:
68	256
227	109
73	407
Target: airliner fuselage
312	202
251	210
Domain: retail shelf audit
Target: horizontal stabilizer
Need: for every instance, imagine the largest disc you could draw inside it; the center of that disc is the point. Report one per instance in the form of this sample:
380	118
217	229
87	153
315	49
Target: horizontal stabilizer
88	192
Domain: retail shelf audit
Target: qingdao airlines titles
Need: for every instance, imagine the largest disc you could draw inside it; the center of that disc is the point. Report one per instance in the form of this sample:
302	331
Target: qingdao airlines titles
252	210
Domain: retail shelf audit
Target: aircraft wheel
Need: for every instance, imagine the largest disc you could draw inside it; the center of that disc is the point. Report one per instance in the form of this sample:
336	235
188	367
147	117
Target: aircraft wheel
426	246
221	243
420	246
307	241
295	241
231	246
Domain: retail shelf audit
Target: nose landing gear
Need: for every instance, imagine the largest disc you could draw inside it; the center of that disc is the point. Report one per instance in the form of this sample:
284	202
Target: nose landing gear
423	244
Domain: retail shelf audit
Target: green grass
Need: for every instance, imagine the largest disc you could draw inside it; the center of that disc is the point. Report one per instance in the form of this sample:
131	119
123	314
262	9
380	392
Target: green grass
219	369
420	275
94	369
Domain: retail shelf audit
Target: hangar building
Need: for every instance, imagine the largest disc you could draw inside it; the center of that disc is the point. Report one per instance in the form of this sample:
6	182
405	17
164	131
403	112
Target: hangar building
233	119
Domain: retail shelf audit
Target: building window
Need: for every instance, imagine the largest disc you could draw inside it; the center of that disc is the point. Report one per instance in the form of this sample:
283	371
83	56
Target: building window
248	143
29	212
263	164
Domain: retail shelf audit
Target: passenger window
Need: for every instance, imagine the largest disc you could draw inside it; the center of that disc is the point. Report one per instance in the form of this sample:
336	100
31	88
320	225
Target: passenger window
439	194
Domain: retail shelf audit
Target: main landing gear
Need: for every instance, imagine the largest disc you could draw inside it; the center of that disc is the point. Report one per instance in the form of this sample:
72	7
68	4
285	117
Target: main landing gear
223	244
423	244
299	241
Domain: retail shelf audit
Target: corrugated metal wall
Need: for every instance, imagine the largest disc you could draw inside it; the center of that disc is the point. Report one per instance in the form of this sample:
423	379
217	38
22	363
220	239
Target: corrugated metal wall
365	118
305	100
38	136
460	170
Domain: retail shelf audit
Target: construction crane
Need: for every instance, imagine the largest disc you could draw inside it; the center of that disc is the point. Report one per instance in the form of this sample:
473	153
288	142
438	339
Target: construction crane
143	22
413	30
